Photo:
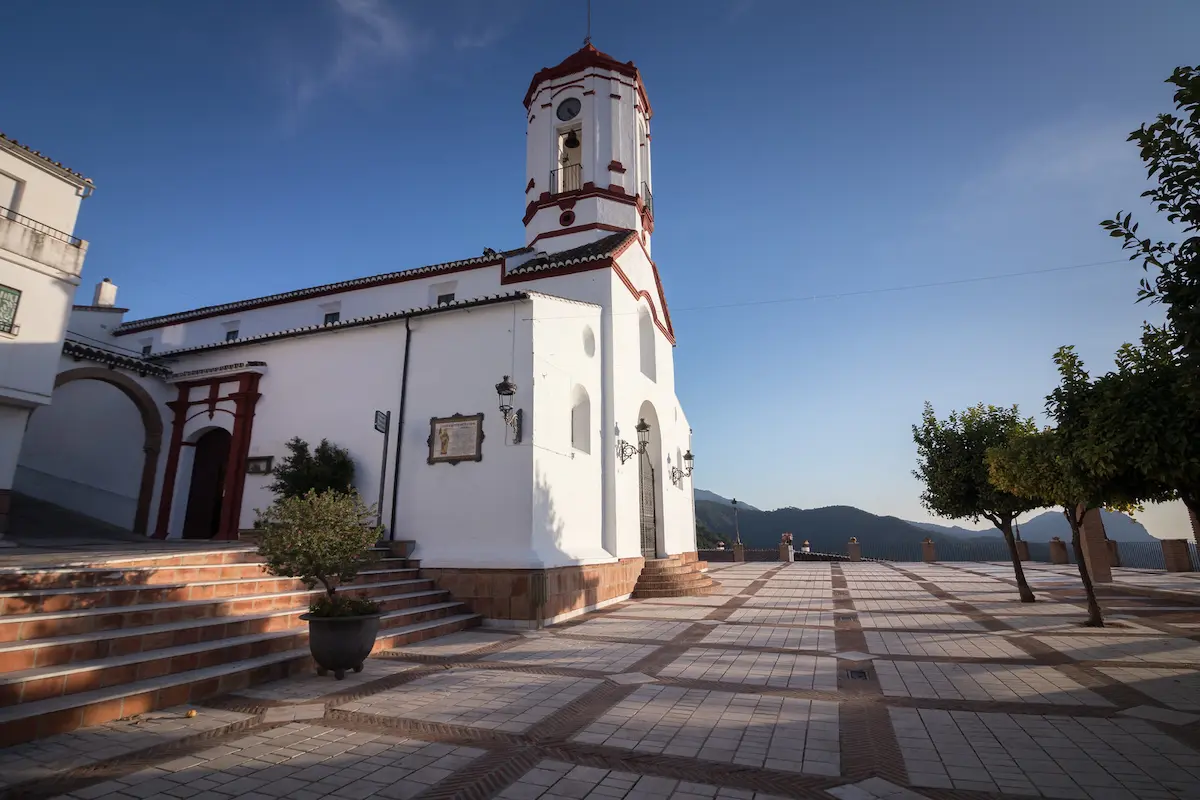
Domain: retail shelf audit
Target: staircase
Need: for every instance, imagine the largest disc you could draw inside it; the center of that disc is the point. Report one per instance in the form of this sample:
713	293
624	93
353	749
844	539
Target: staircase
83	645
674	576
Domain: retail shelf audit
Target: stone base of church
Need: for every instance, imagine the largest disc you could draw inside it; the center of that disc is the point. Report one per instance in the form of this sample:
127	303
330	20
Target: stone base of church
510	597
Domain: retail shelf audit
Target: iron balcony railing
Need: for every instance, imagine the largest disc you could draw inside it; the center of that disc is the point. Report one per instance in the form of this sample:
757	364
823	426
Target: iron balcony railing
34	225
647	198
568	178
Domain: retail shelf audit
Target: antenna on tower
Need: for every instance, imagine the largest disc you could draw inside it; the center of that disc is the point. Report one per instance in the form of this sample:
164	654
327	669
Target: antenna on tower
588	39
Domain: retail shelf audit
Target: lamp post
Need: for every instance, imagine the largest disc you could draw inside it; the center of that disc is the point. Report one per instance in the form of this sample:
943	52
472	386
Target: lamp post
505	391
627	451
677	474
737	531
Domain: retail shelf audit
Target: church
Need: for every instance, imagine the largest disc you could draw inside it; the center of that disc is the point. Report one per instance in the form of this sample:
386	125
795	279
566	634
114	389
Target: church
508	411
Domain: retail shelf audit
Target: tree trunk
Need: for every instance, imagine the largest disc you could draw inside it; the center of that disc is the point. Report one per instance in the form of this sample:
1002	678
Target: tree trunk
1193	507
1022	585
1095	618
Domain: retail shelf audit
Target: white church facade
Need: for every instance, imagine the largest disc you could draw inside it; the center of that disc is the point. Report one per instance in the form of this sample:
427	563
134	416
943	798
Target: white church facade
167	425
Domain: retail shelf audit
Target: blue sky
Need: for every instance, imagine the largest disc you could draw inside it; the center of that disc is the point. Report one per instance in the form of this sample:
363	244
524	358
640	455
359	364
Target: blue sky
802	150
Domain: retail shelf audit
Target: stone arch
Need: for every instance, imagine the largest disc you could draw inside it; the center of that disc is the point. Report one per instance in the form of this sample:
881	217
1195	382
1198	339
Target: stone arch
655	457
151	423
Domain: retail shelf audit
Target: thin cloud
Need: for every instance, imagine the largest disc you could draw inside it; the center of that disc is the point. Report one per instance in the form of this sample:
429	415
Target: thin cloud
370	36
480	39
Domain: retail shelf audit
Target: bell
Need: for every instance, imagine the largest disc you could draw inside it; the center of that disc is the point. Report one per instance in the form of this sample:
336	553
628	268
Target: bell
572	140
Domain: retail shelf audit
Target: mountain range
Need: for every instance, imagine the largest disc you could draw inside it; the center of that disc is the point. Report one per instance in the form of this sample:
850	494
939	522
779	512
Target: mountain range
828	529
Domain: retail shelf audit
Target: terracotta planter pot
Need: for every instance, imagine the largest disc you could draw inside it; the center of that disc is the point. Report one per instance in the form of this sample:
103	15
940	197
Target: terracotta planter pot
341	643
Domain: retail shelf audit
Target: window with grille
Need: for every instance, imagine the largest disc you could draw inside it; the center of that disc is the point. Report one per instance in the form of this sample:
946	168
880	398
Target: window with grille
443	299
231	335
146	349
332	317
9	300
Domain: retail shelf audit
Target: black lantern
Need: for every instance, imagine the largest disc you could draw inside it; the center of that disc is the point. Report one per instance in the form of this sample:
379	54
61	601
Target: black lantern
677	474
505	391
688	458
643	432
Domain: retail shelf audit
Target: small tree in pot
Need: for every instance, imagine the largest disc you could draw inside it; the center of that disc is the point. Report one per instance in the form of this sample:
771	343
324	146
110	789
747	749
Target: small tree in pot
325	538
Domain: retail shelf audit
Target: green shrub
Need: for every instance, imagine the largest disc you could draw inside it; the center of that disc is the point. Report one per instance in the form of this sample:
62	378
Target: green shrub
321	538
328	468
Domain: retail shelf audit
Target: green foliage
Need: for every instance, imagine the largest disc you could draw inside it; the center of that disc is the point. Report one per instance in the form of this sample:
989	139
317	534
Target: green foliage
343	606
321	538
1170	148
952	463
329	468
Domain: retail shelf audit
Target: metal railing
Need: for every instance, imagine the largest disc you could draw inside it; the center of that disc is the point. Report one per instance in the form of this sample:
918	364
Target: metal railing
34	225
568	178
647	198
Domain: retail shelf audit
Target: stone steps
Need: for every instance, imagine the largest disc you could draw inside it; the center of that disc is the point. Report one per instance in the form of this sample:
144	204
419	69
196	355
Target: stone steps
84	644
674	576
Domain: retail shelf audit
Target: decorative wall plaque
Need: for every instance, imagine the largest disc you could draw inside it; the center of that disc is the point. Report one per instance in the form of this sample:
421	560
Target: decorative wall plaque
455	438
259	465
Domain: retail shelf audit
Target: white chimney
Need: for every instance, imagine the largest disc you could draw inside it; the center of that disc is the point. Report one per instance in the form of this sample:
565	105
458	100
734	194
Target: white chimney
106	293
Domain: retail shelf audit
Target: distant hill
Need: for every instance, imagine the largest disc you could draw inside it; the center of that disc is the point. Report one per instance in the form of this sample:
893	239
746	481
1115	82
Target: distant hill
1048	524
827	529
713	497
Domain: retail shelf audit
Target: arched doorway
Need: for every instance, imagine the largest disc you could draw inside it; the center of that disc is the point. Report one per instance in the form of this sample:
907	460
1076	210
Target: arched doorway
206	493
51	439
650	486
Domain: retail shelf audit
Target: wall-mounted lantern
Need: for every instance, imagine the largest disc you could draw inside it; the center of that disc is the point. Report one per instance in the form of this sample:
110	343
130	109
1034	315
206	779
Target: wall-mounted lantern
506	390
627	451
677	474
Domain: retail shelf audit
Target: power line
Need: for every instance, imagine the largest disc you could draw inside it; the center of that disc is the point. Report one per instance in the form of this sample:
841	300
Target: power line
879	290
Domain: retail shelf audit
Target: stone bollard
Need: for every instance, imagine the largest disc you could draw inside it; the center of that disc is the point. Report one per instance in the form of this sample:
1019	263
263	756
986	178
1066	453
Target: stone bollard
785	551
739	552
1058	551
1114	554
1023	550
854	549
928	551
1095	547
1176	555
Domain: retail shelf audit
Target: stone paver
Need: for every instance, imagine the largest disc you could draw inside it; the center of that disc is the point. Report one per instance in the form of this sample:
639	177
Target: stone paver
611	628
1003	683
1144	649
784	734
305	689
45	757
919	622
767	636
555	651
453	644
1060	756
783	670
495	700
295	761
782	616
560	779
749	697
1173	687
944	645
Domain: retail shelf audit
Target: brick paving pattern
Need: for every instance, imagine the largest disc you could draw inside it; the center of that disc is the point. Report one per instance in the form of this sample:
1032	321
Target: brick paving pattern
763	690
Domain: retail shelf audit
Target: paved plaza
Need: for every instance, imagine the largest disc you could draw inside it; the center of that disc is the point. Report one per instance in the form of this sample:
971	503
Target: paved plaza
849	681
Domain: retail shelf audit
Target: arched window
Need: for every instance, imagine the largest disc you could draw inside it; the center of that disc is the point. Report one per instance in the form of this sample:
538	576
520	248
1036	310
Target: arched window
581	420
646	340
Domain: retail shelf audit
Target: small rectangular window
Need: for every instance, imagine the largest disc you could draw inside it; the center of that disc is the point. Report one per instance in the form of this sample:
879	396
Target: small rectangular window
231	335
443	299
146	348
332	317
9	300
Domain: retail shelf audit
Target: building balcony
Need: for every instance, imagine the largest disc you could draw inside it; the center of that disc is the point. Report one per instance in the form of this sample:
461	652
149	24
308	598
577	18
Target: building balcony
568	178
33	240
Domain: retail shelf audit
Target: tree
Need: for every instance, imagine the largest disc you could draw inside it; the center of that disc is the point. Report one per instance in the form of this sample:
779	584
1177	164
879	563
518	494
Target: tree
952	464
1073	465
329	468
321	538
1170	148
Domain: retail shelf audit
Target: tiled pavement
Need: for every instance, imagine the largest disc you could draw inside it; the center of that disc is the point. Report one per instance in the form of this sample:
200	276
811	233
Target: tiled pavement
735	696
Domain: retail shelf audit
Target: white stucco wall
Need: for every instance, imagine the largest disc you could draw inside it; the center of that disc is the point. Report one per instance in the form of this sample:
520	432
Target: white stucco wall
567	481
84	452
29	359
44	196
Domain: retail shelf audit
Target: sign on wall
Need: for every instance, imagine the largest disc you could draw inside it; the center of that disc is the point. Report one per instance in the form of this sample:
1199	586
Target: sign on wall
455	438
259	465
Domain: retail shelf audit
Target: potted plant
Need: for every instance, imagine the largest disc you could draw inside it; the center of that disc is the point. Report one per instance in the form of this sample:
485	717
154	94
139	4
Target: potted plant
326	538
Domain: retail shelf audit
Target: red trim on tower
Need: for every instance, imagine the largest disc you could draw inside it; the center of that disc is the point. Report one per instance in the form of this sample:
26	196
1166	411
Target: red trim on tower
529	186
591	226
616	166
546	200
587	58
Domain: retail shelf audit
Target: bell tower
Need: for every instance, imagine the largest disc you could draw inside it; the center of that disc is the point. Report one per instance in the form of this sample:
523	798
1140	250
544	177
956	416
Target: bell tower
587	159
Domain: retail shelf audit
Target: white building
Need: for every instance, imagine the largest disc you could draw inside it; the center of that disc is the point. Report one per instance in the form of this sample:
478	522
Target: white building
40	262
161	425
